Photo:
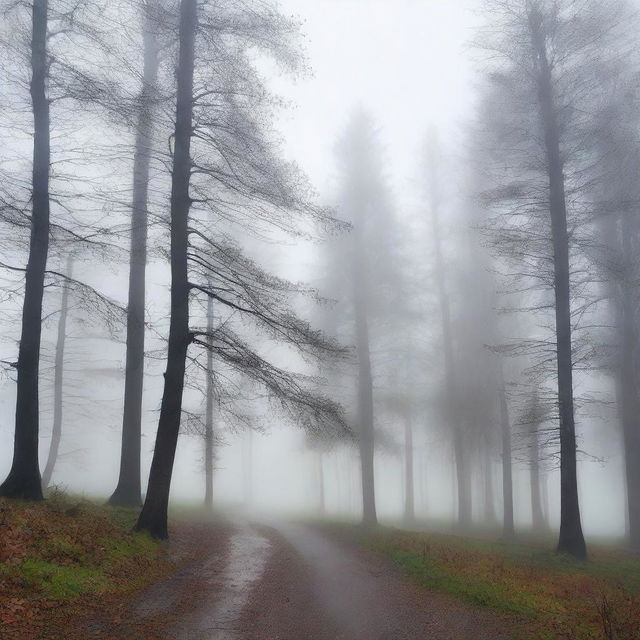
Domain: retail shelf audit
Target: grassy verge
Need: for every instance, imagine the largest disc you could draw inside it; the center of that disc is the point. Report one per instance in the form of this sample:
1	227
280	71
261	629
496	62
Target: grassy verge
61	557
549	596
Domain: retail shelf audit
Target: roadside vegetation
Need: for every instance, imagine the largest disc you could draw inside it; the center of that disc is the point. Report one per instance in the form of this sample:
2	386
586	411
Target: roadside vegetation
66	558
549	595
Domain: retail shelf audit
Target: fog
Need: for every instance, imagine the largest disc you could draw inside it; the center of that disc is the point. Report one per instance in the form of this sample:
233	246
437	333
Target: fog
416	222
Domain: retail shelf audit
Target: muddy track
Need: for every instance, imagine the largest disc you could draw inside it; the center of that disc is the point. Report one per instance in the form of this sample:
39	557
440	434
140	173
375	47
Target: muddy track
283	581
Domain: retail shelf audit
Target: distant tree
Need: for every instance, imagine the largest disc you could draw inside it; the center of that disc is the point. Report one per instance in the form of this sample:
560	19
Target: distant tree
209	436
365	266
58	382
451	384
533	418
544	57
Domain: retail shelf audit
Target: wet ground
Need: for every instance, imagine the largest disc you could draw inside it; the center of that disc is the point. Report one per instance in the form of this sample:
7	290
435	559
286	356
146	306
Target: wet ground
284	581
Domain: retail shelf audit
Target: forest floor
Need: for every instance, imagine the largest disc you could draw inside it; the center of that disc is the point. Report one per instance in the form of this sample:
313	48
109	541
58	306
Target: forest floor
546	595
64	558
74	571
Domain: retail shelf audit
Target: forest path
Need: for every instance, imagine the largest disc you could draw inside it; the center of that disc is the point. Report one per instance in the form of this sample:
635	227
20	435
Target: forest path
315	587
274	580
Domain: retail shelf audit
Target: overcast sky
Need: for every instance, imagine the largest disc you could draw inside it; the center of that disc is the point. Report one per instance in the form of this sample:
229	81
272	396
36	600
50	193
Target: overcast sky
408	61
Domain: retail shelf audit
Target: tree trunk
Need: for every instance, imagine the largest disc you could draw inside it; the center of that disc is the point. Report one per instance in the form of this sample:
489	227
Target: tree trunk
508	529
208	434
628	384
409	501
571	538
489	506
537	514
24	480
58	382
153	517
365	391
128	489
462	471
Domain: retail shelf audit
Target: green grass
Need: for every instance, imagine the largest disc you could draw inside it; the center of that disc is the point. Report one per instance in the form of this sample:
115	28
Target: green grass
66	547
60	582
547	595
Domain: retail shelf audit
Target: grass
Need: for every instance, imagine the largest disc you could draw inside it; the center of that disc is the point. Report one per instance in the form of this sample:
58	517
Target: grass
61	556
548	595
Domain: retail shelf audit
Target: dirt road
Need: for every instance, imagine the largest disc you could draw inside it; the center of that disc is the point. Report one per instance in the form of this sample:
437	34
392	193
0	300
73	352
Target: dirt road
283	581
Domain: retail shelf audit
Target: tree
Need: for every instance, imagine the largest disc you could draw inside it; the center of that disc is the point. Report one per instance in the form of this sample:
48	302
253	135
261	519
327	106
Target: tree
615	259
24	479
508	529
571	537
544	57
229	171
463	474
153	517
366	257
128	490
58	382
209	424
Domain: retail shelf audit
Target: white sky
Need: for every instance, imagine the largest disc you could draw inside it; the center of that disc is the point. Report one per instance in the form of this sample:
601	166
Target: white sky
408	61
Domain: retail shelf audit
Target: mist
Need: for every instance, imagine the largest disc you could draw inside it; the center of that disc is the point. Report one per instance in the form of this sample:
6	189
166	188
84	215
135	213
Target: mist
337	275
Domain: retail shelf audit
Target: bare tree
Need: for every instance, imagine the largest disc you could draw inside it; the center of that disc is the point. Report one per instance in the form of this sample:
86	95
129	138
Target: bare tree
463	474
24	479
128	490
223	165
58	382
544	60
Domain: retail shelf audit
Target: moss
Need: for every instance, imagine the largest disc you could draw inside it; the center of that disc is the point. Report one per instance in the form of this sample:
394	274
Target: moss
59	582
133	545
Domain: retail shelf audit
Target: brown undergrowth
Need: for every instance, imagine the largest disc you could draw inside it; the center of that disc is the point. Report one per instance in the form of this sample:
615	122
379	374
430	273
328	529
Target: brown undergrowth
64	559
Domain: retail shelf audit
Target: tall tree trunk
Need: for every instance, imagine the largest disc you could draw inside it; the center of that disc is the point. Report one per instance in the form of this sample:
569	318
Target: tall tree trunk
24	479
508	529
629	387
365	388
128	489
462	470
58	382
409	500
153	517
537	514
571	538
208	434
489	506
